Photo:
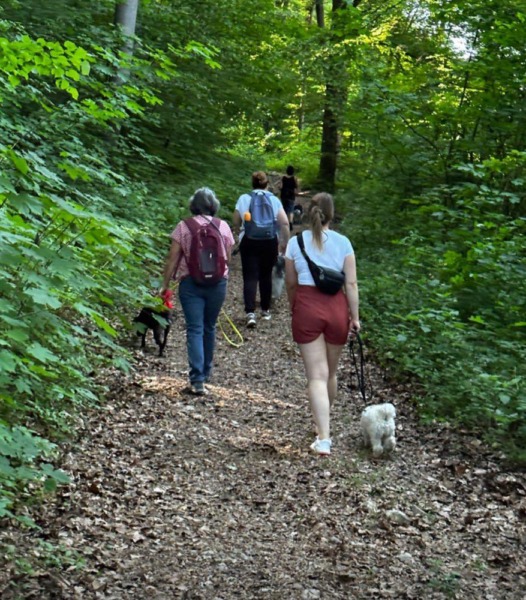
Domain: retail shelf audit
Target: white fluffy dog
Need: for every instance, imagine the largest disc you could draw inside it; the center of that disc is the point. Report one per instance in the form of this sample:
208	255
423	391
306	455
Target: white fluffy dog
378	427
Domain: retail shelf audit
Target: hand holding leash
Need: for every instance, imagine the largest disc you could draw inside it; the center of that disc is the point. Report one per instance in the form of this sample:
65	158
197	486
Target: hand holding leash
354	328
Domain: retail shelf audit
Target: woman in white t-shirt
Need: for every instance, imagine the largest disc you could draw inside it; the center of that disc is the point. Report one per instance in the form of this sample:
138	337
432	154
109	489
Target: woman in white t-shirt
320	322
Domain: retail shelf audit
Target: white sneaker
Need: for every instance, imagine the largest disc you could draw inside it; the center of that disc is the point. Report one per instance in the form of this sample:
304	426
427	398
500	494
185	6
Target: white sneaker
251	320
265	315
321	447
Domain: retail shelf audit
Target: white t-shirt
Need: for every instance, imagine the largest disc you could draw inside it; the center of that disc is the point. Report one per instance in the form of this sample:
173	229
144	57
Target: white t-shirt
243	204
335	248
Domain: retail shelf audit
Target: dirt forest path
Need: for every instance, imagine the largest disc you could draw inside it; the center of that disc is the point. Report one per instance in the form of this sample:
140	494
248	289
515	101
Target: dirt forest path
219	498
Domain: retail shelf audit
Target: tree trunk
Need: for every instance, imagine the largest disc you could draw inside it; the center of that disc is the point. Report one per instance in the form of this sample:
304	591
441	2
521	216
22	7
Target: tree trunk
126	16
126	19
335	95
330	140
320	15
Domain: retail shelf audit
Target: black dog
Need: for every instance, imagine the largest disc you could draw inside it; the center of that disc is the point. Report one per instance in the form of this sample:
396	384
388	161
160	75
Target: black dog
158	321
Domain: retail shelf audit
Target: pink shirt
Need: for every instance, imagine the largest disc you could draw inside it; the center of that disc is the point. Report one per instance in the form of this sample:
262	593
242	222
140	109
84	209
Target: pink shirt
181	234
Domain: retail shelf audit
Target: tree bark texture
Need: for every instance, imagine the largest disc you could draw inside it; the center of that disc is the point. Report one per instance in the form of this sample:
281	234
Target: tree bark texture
335	98
126	19
320	15
126	16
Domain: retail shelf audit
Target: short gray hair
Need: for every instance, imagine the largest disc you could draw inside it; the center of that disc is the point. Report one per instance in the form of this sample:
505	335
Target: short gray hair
204	202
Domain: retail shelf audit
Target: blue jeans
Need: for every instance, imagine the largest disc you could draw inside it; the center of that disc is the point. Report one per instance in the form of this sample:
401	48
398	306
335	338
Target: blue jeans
201	306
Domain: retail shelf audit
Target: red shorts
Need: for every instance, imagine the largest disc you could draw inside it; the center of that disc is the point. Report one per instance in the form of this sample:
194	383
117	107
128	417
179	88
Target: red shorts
315	313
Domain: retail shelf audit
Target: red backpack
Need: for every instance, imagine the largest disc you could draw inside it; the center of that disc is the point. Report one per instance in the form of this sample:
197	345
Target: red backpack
207	260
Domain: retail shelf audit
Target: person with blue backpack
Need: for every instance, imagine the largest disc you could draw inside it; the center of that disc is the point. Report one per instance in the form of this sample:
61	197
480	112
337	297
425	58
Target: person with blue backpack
264	231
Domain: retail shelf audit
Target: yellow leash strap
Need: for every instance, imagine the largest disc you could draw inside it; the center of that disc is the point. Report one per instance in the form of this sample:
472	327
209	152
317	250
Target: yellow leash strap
235	329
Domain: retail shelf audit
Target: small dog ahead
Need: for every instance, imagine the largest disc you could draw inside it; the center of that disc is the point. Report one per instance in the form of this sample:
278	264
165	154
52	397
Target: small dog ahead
298	214
378	428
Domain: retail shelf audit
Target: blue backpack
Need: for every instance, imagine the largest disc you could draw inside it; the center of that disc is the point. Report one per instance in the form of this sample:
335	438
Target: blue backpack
262	225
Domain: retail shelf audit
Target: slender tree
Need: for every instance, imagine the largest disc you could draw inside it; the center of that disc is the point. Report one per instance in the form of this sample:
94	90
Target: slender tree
126	19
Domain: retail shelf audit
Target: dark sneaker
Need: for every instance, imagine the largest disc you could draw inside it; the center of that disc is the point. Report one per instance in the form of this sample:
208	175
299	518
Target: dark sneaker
197	389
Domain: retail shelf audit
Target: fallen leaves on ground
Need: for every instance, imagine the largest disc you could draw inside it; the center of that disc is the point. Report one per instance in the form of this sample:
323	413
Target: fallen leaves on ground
175	496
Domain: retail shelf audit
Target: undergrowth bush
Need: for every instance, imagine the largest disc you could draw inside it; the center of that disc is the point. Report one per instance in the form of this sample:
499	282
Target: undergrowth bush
443	291
77	233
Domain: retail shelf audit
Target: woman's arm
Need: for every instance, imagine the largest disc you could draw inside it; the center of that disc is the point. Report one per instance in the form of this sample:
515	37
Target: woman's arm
228	240
284	231
351	290
236	222
291	280
172	262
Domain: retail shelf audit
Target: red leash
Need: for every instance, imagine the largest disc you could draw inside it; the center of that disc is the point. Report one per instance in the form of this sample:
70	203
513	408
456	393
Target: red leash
167	298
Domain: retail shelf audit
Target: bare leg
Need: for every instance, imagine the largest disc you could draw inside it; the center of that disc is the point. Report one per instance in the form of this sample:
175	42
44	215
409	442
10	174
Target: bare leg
321	361
333	358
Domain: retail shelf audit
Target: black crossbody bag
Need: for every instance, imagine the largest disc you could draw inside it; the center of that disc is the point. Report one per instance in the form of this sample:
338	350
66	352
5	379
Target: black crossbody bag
328	281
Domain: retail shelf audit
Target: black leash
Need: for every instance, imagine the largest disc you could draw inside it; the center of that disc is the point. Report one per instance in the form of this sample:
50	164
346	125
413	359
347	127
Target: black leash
358	357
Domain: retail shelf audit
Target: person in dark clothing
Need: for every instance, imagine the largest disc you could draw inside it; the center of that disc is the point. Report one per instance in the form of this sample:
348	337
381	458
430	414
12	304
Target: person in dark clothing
289	188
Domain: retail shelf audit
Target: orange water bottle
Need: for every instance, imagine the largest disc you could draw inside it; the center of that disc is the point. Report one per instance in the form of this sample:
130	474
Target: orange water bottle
247	216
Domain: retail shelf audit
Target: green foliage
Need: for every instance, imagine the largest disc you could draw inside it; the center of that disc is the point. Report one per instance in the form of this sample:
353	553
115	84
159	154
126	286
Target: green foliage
22	455
432	163
446	301
77	233
43	555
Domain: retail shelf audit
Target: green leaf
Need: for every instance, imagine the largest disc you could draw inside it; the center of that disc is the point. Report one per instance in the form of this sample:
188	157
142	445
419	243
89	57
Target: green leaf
6	470
18	335
477	319
42	354
6	185
8	361
19	162
50	485
103	324
44	297
56	475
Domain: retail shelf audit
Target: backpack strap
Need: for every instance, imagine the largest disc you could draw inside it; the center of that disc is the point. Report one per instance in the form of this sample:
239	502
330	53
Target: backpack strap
253	195
301	244
252	198
194	226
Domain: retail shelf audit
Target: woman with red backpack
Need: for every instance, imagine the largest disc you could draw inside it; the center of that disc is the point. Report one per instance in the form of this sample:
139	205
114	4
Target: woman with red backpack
198	259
